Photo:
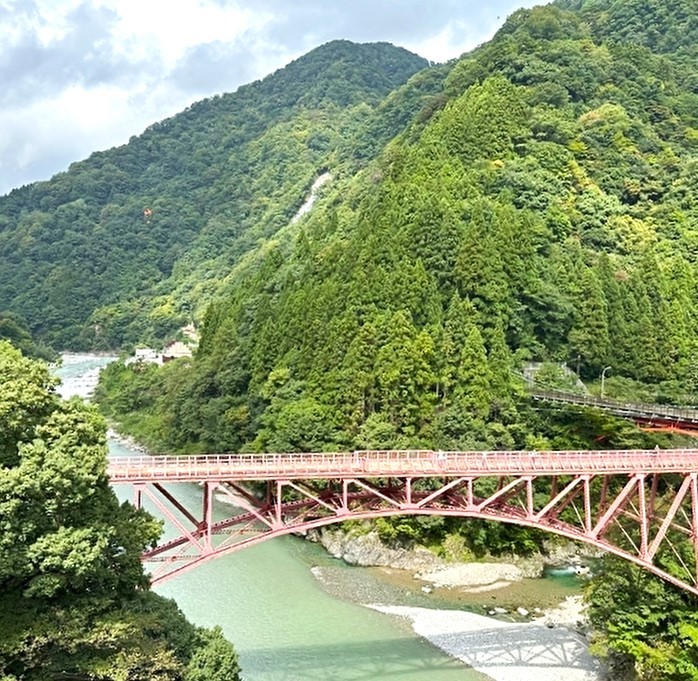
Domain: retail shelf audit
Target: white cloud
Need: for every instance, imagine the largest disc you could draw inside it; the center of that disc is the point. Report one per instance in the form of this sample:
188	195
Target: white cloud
62	124
169	29
452	41
83	75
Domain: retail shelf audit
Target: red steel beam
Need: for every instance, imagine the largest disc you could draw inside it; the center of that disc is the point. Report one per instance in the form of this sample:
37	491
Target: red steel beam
329	488
395	463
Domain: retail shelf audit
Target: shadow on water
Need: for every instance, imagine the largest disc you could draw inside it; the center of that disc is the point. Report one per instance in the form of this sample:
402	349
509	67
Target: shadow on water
390	658
285	627
516	646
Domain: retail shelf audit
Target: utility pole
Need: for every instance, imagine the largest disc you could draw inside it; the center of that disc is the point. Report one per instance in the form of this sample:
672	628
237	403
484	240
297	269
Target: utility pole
603	378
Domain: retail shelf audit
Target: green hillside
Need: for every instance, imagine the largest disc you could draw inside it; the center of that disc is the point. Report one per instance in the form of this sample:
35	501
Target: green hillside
541	207
664	26
127	245
535	200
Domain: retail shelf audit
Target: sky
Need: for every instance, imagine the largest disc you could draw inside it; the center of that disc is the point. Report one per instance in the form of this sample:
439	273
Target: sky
79	76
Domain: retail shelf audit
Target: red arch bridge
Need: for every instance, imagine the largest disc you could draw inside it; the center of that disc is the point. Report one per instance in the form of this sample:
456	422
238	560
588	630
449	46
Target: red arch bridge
641	505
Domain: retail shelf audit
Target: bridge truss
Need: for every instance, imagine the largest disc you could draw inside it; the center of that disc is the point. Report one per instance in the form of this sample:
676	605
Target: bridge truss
641	505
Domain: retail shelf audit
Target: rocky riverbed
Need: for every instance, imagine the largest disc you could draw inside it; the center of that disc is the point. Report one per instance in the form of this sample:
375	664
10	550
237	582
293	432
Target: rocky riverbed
365	548
506	651
493	616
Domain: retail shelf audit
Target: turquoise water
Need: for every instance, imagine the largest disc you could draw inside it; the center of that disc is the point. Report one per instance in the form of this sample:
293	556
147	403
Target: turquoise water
284	625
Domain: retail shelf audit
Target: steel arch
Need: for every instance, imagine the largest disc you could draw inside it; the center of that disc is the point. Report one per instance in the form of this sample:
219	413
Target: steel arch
641	505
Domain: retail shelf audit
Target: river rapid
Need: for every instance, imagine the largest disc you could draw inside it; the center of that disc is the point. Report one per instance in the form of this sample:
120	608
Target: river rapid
296	614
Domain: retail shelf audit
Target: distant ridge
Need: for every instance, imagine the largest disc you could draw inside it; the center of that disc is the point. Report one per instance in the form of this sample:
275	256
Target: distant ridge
127	245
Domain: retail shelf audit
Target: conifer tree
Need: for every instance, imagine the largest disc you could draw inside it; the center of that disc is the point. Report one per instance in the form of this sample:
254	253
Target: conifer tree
589	337
404	374
458	320
474	378
480	270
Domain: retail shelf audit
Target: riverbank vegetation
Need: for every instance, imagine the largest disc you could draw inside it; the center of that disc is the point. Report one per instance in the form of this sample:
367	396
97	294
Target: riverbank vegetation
15	330
74	599
646	629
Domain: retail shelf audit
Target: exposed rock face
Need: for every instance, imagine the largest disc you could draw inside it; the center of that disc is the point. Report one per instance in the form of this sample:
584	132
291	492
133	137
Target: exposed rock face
557	555
366	549
569	553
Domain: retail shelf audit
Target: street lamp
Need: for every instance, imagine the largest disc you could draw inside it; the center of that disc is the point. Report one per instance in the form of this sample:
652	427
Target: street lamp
603	378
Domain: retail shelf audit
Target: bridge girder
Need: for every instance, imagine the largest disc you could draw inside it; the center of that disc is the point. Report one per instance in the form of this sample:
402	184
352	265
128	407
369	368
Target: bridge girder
648	518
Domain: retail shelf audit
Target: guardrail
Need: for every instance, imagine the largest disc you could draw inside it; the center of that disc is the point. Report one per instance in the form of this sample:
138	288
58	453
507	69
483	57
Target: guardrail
638	410
386	463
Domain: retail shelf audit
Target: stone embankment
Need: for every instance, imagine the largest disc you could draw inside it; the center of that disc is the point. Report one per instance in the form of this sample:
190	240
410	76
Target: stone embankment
366	549
126	441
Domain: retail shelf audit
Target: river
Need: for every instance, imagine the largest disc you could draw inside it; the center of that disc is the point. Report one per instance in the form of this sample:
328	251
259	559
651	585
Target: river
285	623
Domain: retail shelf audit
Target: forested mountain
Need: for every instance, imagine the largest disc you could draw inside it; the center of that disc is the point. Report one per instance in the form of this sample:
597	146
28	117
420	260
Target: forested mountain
127	245
664	26
535	200
14	329
541	206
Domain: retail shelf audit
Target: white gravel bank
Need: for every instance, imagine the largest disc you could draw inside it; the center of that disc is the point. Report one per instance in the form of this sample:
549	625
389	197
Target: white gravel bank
507	651
472	574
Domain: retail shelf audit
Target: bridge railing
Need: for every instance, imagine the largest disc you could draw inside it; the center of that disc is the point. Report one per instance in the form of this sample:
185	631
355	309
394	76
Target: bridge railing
384	463
637	409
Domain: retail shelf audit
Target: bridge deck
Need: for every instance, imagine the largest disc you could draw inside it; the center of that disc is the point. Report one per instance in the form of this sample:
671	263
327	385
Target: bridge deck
416	463
646	413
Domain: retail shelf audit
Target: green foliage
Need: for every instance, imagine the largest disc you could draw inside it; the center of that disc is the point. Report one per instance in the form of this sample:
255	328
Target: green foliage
132	243
14	329
140	638
484	123
552	376
666	26
213	660
476	538
26	400
73	594
541	209
643	622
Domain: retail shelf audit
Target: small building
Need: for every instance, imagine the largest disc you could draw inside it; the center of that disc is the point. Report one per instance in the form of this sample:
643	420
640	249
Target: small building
144	356
175	350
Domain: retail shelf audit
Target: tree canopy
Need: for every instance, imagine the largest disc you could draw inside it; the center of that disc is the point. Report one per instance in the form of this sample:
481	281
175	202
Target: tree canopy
131	243
74	599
